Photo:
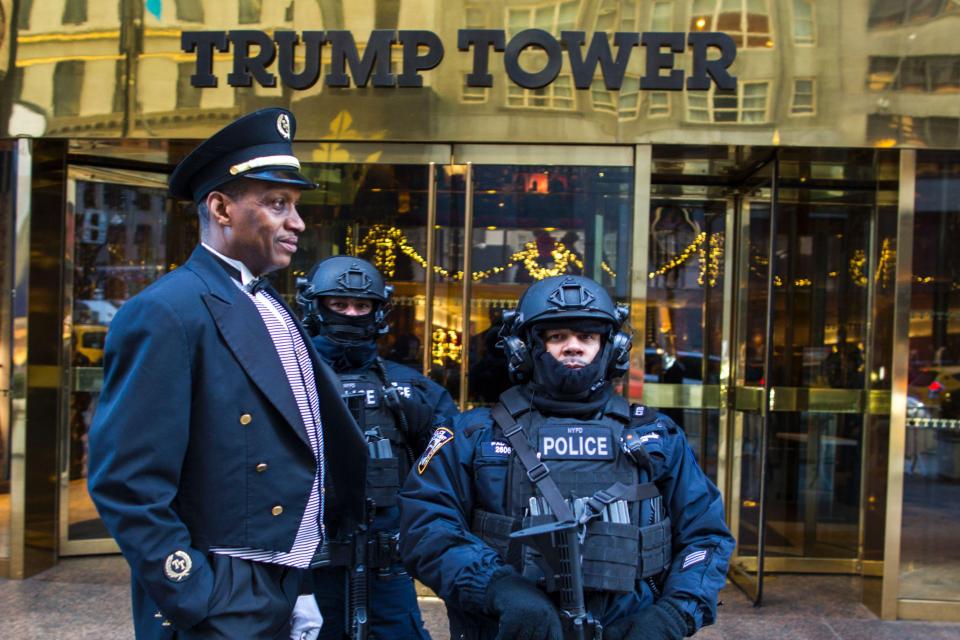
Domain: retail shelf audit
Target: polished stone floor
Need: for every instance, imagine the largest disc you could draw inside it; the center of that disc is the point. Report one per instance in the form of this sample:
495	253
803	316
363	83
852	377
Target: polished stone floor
89	598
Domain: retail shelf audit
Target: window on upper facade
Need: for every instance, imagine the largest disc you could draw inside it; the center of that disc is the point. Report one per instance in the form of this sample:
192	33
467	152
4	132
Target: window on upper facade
745	105
552	17
188	96
189	10
67	88
658	104
928	74
661	16
746	21
804	27
617	15
804	98
250	11
887	14
74	12
557	96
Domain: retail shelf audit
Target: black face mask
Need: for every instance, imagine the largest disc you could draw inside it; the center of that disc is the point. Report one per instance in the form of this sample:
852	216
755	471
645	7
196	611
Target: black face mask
559	382
347	330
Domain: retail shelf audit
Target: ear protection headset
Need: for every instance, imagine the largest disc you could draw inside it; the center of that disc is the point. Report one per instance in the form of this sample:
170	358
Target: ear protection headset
515	332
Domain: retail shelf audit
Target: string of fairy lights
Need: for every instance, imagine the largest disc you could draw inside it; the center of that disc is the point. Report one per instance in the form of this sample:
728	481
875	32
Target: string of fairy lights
382	244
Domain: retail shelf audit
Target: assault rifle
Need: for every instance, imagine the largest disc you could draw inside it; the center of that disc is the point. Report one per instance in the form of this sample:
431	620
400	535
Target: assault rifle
357	584
558	547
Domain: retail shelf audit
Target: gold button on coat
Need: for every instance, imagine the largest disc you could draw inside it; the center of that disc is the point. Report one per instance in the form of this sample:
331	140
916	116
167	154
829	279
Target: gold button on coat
245	419
261	467
277	510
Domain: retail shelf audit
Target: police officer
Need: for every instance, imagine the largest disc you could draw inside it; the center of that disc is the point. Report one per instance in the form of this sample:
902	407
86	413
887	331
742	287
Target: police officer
345	302
649	524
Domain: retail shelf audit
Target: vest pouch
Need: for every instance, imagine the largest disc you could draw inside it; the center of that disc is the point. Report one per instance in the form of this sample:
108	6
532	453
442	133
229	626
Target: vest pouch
610	553
383	481
655	548
531	569
495	530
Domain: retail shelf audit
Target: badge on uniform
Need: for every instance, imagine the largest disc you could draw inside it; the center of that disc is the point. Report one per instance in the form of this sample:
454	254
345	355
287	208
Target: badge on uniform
495	449
177	566
694	558
439	438
575	442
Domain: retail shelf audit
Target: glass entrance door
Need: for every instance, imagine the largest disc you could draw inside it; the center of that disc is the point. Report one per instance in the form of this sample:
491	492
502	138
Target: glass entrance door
530	213
757	217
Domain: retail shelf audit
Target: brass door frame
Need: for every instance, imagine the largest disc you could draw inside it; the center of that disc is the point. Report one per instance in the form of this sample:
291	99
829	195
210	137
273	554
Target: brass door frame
472	155
739	569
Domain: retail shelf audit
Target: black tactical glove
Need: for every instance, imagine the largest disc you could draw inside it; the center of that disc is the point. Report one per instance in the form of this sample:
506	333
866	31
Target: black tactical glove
662	621
525	612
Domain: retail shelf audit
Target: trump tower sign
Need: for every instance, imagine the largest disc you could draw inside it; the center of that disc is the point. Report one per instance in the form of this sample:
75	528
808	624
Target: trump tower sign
255	53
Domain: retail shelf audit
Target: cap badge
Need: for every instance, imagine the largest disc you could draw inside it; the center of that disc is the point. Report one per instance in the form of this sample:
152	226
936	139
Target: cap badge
283	126
177	566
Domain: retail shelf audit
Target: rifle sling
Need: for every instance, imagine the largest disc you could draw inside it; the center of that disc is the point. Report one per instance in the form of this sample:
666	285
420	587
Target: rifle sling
537	471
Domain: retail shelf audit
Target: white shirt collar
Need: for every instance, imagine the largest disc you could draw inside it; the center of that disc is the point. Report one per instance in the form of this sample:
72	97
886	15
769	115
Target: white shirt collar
245	274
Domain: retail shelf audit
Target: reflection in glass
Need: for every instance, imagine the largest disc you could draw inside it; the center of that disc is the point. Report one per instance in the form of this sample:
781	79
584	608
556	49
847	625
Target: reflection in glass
930	561
377	212
532	222
120	223
6	355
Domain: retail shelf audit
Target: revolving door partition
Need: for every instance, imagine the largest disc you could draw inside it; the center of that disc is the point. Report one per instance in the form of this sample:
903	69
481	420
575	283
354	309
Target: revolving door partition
764	298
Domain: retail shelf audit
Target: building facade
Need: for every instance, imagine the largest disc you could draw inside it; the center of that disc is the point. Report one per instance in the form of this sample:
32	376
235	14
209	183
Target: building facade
785	245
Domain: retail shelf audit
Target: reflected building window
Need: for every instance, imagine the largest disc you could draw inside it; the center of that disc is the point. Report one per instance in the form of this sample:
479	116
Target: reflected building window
617	15
886	14
473	95
745	105
746	21
804	102
119	92
553	17
188	96
250	11
804	25
661	16
189	10
74	12
888	130
67	88
625	102
929	74
558	95
658	104
23	15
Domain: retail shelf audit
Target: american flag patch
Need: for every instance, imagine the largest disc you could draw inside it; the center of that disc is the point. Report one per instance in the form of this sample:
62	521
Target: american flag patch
694	558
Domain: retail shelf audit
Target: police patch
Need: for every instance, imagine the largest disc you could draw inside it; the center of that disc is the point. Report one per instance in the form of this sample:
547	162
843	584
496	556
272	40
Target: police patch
440	437
575	442
495	449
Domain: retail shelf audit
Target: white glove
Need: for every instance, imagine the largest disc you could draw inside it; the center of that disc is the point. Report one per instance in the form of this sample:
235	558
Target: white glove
305	621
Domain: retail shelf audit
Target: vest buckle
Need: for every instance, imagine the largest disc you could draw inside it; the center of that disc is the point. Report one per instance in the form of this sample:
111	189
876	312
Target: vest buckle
538	473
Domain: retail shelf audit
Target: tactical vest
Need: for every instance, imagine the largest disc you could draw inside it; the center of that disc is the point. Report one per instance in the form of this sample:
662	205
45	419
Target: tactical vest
602	471
383	424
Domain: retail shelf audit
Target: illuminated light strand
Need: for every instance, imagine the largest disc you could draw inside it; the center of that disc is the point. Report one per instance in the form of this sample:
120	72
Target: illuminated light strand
680	258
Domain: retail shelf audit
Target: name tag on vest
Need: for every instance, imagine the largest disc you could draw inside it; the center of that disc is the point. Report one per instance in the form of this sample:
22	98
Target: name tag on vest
495	449
368	389
572	442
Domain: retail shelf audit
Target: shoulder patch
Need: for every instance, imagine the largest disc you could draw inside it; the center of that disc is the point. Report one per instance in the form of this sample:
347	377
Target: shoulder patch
440	437
694	558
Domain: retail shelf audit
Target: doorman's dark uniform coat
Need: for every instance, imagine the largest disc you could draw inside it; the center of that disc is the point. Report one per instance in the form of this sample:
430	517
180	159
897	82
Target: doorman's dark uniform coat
194	399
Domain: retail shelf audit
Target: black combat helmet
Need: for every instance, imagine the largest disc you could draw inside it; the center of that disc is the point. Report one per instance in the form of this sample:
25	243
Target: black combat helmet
565	301
344	277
